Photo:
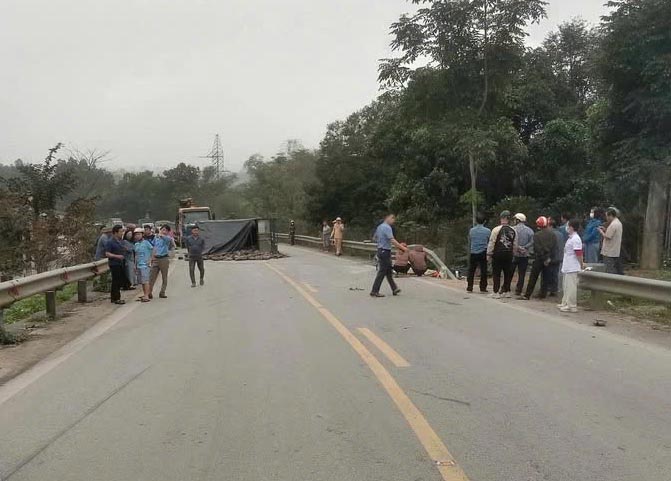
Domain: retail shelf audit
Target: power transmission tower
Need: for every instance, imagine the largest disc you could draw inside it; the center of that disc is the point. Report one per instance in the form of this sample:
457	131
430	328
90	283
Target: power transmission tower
216	156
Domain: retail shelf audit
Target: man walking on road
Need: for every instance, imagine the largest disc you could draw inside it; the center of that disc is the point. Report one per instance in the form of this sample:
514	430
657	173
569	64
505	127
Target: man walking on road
115	254
478	238
525	241
612	243
384	236
502	244
195	245
544	245
160	261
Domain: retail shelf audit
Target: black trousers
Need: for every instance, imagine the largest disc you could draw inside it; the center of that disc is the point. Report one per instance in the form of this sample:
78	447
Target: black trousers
402	269
553	277
538	268
384	269
192	269
520	265
475	261
118	278
502	263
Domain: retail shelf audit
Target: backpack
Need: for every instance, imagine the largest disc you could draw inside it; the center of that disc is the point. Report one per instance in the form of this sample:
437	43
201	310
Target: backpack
505	240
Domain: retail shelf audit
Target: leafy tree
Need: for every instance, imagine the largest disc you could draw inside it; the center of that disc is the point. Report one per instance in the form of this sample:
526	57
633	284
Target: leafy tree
182	181
356	166
277	187
474	47
634	64
43	184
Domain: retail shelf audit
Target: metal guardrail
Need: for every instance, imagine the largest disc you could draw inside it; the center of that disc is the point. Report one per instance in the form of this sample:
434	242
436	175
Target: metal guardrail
48	282
368	248
650	289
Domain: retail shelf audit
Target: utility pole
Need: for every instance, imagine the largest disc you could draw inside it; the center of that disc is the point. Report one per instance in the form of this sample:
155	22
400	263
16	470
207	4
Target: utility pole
216	156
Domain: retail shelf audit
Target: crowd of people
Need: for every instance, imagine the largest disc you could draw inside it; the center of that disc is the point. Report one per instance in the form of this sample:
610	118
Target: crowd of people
559	250
138	255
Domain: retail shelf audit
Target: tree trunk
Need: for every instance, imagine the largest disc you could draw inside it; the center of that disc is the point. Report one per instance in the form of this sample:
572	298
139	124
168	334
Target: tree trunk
655	219
474	191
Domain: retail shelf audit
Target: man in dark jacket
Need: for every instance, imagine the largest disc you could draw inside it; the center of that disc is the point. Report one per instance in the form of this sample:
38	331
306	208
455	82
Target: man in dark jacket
502	245
545	242
554	284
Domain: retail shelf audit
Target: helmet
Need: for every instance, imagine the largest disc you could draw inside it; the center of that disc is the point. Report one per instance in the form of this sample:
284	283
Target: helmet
521	217
542	221
505	214
138	230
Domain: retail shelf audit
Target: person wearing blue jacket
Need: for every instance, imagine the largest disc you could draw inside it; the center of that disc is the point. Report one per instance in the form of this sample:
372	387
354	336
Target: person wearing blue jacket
591	237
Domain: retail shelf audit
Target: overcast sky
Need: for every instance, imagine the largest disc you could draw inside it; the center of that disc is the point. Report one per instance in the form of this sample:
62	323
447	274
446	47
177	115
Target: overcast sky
153	80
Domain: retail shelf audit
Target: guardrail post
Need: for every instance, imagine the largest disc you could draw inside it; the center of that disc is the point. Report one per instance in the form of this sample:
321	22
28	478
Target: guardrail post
3	333
50	297
82	291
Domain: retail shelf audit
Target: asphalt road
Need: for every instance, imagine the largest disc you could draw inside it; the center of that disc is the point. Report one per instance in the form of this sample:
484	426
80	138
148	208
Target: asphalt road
286	371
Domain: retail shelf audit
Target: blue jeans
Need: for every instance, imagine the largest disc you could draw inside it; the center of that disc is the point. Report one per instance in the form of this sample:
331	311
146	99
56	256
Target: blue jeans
592	252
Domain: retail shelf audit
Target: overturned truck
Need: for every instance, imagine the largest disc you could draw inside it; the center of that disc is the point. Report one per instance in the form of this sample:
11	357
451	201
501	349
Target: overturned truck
239	239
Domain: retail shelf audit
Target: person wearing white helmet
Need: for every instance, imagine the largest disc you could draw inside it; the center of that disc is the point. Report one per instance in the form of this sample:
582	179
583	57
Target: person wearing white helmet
525	242
143	249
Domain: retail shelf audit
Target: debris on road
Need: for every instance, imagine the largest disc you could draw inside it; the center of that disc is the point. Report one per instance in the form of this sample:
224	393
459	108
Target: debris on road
600	323
246	255
355	289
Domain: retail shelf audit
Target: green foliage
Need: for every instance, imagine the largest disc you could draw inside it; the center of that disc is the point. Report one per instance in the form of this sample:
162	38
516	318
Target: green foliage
526	205
634	65
42	184
182	181
277	188
27	307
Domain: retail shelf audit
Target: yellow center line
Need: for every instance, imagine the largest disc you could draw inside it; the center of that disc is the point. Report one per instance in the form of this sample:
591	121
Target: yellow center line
384	348
434	446
310	288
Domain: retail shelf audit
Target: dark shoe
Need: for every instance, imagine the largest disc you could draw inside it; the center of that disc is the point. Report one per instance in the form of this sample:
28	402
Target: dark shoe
376	294
193	284
202	282
469	289
151	296
119	302
162	296
484	292
397	292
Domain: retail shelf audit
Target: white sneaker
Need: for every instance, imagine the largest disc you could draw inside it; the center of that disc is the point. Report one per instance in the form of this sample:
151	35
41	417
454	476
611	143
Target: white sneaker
560	306
506	295
569	309
495	295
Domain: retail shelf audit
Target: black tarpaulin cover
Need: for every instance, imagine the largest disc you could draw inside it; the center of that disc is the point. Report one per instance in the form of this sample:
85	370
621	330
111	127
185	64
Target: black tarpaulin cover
228	235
